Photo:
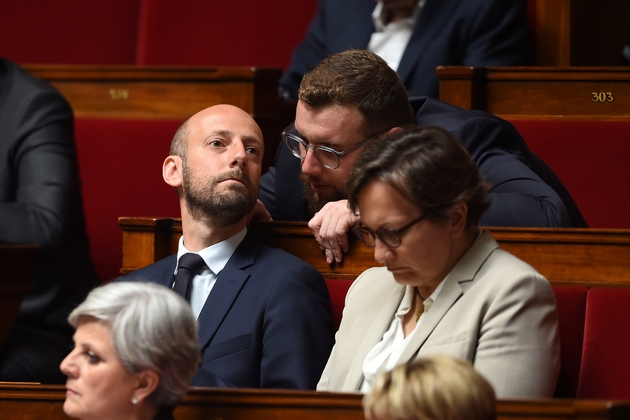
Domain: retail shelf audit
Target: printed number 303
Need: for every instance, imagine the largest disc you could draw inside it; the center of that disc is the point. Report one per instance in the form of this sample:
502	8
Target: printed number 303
602	97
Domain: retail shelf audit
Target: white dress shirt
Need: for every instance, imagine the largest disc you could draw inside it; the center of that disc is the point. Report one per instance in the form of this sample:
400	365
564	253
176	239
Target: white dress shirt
389	41
386	354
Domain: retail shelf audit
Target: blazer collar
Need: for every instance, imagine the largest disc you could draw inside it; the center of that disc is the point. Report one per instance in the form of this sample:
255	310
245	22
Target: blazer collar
428	26
229	283
456	284
380	323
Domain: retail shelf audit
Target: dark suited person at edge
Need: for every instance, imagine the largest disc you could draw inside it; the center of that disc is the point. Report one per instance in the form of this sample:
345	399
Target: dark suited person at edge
264	315
354	96
414	37
41	204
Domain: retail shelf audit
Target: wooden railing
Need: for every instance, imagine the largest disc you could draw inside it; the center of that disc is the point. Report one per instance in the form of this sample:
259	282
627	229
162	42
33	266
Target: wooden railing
36	402
589	257
529	93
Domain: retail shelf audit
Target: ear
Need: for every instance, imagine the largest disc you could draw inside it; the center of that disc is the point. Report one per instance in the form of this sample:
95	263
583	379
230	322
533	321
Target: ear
172	171
393	130
457	220
147	383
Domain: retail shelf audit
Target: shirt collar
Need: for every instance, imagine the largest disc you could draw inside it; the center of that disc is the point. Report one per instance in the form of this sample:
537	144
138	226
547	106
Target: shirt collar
379	24
215	256
405	303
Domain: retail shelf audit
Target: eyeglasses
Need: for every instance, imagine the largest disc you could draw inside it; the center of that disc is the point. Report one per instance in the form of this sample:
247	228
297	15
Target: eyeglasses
327	156
390	237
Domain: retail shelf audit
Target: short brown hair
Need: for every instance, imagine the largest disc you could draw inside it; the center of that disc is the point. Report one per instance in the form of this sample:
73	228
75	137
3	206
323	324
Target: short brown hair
359	78
431	388
428	166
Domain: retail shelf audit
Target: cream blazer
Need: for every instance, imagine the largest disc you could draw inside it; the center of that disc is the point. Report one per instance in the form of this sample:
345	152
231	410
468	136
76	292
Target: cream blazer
494	310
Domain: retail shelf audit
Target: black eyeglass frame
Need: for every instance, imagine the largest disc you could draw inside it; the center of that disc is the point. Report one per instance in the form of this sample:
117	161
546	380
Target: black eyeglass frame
362	231
286	135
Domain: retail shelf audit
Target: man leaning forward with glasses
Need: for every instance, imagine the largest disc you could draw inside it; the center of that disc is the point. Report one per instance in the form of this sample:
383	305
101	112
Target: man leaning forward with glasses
353	97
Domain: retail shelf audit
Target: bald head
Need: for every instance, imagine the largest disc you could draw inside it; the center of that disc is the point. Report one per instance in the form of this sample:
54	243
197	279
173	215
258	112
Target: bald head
224	115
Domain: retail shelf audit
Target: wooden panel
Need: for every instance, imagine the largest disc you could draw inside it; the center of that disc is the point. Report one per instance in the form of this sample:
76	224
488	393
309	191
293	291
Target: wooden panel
578	93
575	33
17	265
31	402
161	92
589	257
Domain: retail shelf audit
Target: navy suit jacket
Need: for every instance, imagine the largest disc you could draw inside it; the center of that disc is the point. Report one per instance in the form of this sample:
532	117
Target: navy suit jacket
266	323
448	32
525	191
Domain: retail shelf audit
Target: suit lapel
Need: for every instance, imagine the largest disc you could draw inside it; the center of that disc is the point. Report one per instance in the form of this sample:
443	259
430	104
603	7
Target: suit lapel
379	323
167	277
459	280
229	283
427	27
450	293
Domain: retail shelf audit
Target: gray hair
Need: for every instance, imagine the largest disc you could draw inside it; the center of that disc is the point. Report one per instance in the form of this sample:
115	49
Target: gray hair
152	328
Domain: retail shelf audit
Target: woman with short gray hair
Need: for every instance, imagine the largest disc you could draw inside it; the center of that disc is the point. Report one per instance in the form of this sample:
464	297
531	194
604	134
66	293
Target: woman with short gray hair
136	350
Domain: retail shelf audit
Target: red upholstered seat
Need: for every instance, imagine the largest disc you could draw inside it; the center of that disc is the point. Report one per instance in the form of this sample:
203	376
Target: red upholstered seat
571	302
120	163
69	31
605	370
591	159
231	33
337	290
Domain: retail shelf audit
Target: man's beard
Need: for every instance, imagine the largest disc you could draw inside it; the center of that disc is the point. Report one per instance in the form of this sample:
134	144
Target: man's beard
220	209
314	201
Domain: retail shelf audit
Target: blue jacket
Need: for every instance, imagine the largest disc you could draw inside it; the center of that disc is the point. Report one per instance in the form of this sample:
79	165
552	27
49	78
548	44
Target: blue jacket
448	32
266	323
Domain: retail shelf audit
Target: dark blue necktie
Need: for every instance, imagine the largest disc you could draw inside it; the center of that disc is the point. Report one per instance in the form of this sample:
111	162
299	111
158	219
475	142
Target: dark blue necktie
188	266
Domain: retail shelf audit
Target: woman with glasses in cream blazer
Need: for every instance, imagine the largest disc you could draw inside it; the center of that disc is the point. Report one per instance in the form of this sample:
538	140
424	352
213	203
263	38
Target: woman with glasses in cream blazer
446	287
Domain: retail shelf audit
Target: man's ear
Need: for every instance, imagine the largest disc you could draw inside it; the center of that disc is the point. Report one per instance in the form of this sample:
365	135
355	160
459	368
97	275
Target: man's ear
147	383
172	171
393	130
458	217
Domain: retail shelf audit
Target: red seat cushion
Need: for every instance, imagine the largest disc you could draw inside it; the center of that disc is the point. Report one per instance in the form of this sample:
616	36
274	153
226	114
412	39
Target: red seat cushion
337	289
120	164
605	370
571	302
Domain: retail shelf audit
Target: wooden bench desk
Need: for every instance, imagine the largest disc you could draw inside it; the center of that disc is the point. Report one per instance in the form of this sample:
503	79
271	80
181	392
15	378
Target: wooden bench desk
586	257
39	402
160	92
529	93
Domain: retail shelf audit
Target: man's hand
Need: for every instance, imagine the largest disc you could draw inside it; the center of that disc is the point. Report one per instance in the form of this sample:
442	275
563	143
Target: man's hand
258	213
330	227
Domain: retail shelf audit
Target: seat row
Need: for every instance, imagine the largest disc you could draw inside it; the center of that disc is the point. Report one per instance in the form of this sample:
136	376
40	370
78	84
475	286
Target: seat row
589	270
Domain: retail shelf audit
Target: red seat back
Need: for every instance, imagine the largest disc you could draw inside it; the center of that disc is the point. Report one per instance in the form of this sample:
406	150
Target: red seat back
232	33
337	289
69	31
605	370
120	164
571	302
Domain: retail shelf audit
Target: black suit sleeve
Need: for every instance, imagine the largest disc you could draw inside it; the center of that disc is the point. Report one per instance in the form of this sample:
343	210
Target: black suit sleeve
498	34
518	196
41	167
306	56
